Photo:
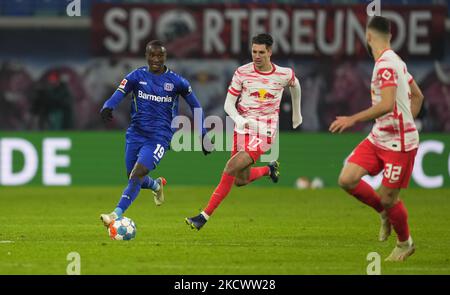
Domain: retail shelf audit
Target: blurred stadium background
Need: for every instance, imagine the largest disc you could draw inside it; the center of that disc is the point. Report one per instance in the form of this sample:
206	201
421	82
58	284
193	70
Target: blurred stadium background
56	71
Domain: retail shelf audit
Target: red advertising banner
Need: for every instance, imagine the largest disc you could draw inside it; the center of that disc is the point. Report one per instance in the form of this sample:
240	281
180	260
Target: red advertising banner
225	30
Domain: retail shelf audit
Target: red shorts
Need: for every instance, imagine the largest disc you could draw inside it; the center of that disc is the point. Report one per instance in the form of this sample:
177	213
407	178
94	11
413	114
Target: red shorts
254	145
398	166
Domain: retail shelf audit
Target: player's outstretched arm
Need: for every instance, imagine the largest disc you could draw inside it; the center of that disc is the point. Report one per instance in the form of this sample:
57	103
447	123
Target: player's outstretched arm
416	99
106	114
386	105
110	104
296	96
124	88
197	112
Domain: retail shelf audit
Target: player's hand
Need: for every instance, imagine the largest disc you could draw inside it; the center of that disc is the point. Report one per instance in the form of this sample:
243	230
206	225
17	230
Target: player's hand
106	114
297	122
207	145
341	123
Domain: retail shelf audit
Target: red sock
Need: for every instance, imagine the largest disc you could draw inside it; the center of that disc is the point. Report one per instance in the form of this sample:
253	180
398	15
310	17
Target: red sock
258	172
366	194
221	191
398	217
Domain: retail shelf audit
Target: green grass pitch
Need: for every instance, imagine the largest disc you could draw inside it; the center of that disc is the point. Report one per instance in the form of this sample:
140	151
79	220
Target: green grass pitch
255	231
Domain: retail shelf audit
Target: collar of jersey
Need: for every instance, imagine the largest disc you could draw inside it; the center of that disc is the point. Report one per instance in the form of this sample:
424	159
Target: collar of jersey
167	70
383	52
265	73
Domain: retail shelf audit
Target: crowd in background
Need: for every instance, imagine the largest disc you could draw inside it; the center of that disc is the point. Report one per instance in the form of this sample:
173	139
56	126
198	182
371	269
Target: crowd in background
43	89
63	97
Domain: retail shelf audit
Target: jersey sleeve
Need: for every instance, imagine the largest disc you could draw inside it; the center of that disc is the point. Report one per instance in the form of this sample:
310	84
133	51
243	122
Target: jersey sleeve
184	88
409	77
291	78
235	87
127	83
125	87
387	76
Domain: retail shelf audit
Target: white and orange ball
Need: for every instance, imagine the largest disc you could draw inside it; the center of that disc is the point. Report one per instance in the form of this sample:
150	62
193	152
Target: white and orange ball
122	229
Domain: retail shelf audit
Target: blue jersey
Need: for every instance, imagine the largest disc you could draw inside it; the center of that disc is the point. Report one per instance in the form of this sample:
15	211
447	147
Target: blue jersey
154	102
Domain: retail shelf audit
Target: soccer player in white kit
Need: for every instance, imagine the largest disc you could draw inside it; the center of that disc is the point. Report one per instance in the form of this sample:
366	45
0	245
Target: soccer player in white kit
253	102
392	143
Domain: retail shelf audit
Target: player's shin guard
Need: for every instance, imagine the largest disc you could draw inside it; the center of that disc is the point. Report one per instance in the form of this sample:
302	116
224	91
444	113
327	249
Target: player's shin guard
258	172
221	191
130	193
366	194
398	217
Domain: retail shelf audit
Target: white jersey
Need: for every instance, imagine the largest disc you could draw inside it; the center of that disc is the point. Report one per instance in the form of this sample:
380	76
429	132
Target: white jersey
395	131
260	96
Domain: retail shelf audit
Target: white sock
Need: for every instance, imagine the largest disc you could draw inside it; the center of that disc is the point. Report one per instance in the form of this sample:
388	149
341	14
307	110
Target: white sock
205	215
408	242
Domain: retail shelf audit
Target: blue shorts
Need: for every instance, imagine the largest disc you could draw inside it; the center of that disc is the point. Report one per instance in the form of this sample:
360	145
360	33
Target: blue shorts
148	152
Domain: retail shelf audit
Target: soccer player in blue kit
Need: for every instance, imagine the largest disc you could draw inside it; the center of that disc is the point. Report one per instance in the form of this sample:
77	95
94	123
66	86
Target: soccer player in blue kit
155	90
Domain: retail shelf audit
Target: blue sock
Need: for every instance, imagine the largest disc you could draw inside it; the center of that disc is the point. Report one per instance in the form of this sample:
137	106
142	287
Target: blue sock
119	212
149	183
129	194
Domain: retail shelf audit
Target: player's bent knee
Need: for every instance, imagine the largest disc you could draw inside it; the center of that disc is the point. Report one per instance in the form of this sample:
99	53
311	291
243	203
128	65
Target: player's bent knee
388	200
347	183
240	182
139	172
231	168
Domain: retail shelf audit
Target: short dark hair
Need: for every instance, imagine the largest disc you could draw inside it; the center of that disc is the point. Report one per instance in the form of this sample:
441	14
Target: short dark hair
380	24
158	43
265	39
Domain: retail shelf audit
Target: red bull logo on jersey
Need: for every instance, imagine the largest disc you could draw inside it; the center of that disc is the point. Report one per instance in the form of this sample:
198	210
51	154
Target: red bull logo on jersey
262	95
152	97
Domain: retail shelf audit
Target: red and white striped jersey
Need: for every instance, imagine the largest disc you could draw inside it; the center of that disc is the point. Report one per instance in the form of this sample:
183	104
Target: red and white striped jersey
260	96
395	131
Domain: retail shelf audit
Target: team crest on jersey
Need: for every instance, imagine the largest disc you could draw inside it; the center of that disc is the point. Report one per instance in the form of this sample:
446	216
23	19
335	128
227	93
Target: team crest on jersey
123	83
168	86
262	94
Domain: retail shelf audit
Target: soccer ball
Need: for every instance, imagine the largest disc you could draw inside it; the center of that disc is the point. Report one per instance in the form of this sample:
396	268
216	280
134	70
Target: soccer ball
122	229
316	183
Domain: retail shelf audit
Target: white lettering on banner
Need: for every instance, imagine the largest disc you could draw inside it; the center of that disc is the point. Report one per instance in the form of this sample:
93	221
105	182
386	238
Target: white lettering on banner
338	31
50	161
236	16
256	18
416	31
295	31
119	41
140	27
300	31
398	22
354	30
30	166
279	26
214	24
